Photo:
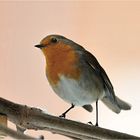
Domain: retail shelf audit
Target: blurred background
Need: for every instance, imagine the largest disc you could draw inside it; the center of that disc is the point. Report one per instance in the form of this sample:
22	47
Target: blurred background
108	29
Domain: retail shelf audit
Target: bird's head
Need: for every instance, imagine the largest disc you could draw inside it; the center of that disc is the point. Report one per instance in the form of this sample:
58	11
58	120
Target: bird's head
50	41
57	41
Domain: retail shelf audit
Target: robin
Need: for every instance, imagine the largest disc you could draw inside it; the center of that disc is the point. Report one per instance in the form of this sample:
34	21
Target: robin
76	76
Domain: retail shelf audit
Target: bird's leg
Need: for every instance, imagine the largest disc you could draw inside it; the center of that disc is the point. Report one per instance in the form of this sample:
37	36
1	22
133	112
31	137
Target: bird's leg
96	113
64	114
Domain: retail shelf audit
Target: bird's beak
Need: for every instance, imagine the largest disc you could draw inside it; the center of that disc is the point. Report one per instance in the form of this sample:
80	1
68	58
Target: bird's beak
39	46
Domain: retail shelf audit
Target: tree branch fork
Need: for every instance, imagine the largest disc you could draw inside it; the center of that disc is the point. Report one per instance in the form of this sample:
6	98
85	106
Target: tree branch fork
25	117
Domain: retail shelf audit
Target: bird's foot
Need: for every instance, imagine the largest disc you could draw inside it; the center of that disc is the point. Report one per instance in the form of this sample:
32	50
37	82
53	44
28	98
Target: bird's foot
90	123
63	115
96	124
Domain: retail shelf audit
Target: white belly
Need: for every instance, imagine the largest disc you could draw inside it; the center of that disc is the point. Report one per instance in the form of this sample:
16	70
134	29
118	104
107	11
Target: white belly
70	91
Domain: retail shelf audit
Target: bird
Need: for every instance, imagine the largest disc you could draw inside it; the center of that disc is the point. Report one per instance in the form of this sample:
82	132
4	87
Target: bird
76	76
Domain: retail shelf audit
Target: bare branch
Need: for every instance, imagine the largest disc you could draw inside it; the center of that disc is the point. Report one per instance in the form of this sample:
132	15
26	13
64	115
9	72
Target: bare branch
34	118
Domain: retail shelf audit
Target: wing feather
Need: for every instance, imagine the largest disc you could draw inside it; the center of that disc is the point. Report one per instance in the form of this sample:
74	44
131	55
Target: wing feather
90	59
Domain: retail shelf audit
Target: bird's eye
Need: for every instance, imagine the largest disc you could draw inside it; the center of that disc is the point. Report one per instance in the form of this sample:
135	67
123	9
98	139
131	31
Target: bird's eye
54	40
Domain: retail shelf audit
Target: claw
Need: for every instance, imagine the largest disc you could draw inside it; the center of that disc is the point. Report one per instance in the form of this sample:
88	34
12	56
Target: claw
96	125
63	115
90	123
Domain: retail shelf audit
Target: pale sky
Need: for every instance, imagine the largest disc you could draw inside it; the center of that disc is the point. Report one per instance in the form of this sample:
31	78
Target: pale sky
109	30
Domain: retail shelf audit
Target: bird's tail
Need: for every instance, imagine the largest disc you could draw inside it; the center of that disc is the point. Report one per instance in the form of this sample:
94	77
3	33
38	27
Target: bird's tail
122	104
116	106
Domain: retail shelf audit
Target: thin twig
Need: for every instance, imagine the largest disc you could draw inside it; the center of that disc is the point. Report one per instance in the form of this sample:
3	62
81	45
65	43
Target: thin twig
9	132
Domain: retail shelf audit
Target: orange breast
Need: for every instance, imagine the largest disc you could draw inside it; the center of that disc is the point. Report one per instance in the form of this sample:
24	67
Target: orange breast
61	60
